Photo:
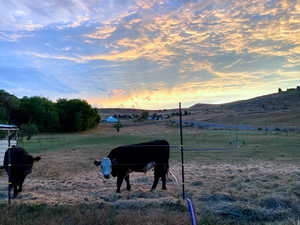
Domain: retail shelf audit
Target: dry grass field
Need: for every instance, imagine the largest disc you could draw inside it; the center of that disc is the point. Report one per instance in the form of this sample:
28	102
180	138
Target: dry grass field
257	183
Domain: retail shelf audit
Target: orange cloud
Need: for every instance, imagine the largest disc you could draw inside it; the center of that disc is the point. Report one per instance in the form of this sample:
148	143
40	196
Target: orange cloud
216	30
188	93
234	86
139	48
183	29
102	33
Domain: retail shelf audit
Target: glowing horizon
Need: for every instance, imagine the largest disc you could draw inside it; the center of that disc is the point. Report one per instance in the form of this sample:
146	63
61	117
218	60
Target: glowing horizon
149	54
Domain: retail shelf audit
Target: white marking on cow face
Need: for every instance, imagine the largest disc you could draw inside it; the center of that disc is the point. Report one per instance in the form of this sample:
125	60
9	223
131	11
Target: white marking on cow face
106	167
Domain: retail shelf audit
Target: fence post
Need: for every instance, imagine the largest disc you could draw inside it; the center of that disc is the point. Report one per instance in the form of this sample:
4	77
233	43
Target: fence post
9	175
181	149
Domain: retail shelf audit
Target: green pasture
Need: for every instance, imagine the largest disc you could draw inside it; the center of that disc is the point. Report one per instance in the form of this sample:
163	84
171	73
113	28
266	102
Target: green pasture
208	145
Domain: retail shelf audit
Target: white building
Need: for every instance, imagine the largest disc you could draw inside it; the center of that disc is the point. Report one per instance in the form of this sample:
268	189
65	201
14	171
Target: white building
8	138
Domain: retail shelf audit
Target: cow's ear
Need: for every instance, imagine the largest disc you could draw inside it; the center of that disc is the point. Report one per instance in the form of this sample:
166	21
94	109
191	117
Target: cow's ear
97	163
37	159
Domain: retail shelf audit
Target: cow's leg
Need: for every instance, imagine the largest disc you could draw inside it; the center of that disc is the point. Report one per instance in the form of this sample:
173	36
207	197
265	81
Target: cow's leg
128	183
20	188
156	178
15	182
15	186
164	176
10	188
119	182
21	183
164	179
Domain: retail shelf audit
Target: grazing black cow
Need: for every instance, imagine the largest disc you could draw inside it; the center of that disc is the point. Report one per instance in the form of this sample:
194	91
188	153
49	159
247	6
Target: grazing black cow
21	165
137	158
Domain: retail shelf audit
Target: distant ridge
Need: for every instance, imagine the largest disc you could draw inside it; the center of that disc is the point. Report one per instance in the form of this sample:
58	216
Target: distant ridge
280	109
272	102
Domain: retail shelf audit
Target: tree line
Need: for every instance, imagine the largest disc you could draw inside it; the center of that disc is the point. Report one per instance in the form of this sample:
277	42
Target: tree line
47	116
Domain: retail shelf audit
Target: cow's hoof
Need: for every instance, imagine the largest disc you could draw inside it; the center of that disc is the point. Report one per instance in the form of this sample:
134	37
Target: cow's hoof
118	191
164	188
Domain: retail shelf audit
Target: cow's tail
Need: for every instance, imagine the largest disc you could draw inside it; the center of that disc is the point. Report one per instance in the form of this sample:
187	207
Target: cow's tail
167	171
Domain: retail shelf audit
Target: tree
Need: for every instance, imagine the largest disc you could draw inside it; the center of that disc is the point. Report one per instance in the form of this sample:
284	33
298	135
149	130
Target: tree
8	105
28	130
3	115
76	115
39	111
47	116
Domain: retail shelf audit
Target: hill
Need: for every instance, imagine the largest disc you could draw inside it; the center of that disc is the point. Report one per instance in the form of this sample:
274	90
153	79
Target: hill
278	109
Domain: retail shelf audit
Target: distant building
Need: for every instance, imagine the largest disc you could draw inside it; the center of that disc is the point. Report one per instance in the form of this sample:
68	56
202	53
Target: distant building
10	138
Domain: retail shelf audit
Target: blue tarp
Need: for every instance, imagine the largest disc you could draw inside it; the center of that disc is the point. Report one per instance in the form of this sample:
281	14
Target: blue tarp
111	119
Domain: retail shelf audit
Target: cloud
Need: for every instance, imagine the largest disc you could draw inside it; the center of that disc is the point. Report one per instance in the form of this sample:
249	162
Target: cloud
222	87
205	28
188	93
33	82
292	61
233	64
117	92
191	65
56	57
11	37
195	49
102	33
17	15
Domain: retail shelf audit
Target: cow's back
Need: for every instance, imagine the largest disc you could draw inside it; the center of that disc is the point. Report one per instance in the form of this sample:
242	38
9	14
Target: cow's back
19	159
143	153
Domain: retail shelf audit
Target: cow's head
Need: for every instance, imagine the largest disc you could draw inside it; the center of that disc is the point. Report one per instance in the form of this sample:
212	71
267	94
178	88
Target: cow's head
106	166
36	159
28	168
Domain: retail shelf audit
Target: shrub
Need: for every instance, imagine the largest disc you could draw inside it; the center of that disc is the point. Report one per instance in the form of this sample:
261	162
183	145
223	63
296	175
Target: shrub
28	130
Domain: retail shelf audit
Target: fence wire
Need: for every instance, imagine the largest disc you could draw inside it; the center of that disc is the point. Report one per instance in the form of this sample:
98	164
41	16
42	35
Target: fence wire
174	174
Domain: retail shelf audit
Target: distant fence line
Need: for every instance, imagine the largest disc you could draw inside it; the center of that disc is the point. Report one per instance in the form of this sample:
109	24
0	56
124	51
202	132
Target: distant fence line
42	141
233	127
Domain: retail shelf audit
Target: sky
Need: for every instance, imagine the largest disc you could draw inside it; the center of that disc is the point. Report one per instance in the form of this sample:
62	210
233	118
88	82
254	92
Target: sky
149	54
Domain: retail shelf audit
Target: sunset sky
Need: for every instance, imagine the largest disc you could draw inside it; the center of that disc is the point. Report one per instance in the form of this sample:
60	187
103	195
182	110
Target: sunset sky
149	53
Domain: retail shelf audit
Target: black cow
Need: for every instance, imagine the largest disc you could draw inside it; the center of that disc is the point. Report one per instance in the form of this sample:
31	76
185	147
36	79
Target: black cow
137	158
21	165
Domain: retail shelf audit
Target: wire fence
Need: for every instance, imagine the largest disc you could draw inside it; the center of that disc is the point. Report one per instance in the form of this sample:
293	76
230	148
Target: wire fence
175	173
140	180
177	176
42	143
